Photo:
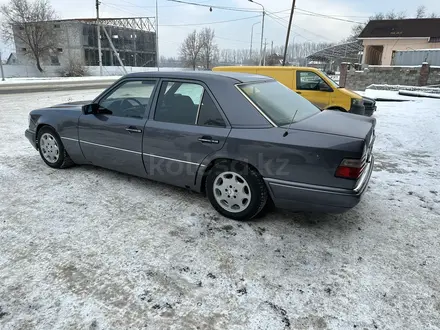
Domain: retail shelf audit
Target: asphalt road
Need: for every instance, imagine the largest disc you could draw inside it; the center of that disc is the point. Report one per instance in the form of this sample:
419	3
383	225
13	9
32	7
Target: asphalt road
45	87
88	248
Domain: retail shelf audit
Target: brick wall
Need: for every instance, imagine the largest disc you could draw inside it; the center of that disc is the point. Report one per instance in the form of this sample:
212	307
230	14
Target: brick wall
390	75
434	76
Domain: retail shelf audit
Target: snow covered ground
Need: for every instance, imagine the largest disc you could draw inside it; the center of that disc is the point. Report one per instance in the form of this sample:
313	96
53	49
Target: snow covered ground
385	95
87	248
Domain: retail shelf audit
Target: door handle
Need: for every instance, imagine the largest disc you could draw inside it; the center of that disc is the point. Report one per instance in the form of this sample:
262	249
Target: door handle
208	139
132	129
298	92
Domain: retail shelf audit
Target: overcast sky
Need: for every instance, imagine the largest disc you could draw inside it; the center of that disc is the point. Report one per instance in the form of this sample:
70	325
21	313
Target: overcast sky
237	34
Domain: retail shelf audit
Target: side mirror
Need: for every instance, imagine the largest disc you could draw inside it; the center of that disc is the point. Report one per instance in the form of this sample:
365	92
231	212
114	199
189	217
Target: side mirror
323	87
90	109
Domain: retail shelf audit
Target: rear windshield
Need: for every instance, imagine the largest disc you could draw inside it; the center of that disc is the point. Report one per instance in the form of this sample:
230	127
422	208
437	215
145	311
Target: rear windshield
278	102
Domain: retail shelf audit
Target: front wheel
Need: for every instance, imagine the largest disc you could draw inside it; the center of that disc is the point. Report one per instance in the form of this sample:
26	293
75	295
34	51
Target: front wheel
52	149
236	190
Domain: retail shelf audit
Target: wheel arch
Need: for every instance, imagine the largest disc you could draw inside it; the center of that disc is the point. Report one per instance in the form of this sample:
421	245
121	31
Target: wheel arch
202	181
336	108
39	127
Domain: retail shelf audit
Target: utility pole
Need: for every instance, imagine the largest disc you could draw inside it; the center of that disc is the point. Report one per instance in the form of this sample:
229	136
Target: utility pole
264	54
98	28
252	36
1	67
288	32
157	36
271	48
262	30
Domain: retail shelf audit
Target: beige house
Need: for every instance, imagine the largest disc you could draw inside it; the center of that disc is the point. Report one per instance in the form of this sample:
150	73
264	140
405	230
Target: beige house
384	37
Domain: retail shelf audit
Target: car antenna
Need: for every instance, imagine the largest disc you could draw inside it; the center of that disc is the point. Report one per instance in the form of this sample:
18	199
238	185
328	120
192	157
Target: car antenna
291	122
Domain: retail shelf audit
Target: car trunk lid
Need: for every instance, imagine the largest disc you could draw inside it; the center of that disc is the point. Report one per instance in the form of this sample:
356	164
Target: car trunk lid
338	123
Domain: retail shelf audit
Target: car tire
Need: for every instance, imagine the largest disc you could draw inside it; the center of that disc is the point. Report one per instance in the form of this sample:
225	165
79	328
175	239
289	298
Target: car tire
52	150
236	190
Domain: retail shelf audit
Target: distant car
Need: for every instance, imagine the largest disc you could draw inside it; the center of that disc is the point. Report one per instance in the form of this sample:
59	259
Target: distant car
241	139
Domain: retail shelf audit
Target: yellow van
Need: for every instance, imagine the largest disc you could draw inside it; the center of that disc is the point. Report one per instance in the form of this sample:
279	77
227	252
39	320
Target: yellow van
314	85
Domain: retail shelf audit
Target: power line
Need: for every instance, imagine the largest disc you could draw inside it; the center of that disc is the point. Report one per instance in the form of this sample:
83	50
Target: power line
215	22
171	6
284	26
311	13
130	3
306	30
304	11
277	20
217	7
118	8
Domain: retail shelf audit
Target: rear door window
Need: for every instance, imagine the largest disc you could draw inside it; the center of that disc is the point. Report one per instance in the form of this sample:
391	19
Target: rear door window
179	102
209	114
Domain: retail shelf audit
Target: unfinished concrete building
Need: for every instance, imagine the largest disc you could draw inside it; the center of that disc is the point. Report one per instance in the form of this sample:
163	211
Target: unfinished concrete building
77	39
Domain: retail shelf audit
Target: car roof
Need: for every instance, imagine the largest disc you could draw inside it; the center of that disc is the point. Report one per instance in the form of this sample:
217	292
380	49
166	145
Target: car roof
234	77
237	68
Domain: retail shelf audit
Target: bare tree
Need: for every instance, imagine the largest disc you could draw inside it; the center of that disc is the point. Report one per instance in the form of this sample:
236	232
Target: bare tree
357	29
421	12
190	50
27	22
209	48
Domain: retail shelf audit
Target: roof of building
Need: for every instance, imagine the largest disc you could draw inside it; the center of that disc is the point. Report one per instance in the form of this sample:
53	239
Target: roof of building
402	28
348	52
85	19
12	56
136	23
201	75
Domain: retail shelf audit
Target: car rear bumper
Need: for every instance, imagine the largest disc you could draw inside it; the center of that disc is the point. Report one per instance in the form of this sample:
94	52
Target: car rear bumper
306	197
31	137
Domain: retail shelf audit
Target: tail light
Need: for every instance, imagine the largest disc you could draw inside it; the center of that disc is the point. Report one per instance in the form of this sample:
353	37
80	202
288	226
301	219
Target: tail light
351	168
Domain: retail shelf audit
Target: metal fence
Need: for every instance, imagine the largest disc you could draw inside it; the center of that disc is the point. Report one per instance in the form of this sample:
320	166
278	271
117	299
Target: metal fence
417	57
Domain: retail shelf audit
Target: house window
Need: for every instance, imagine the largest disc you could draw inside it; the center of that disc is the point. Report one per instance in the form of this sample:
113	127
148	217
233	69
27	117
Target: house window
54	60
60	50
23	49
56	26
434	39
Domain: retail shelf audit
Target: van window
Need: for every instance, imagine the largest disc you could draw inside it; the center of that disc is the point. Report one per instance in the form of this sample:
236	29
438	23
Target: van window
279	103
308	81
333	83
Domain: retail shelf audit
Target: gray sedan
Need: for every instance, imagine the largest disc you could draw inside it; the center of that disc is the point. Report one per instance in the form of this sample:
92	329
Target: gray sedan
243	140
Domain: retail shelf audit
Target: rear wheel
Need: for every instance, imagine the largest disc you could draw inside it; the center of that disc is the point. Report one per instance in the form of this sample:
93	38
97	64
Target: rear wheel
236	190
52	149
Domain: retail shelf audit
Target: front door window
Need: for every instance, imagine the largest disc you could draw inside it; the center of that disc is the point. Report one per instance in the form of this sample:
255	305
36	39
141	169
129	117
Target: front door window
309	81
131	99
